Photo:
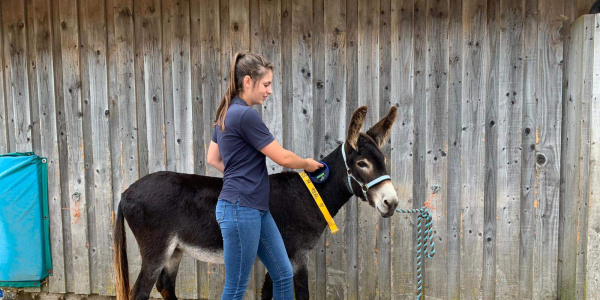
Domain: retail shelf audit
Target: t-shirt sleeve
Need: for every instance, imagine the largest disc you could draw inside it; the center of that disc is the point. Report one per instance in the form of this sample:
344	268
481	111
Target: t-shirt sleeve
214	136
255	131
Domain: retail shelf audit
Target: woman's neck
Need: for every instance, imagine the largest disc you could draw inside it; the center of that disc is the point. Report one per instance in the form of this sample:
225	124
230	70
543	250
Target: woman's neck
241	96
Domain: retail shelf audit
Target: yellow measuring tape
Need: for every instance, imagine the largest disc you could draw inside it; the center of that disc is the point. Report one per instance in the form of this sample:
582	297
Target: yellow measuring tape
317	197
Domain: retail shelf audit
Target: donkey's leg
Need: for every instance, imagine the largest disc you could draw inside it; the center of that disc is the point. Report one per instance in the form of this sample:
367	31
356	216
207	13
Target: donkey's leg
166	280
267	289
146	279
301	283
154	259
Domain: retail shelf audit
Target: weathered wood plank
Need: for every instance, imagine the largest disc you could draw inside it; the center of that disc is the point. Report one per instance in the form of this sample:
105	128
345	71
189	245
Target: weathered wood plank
113	119
80	275
548	111
509	125
436	141
528	145
568	271
302	77
167	32
254	40
491	49
286	68
571	148
592	290
239	25
352	103
473	134
368	94
385	58
455	67
196	86
95	48
34	113
140	86
402	141
62	144
334	91
584	185
126	86
153	81
575	159
16	77
4	137
41	48
88	149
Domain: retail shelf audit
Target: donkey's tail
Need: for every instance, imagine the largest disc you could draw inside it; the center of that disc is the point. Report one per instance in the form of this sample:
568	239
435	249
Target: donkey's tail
120	258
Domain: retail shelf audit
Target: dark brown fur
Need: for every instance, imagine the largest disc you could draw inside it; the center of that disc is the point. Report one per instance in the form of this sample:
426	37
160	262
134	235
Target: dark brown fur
356	123
381	131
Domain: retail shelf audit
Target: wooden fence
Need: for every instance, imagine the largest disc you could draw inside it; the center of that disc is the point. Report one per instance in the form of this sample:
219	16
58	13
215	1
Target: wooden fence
112	90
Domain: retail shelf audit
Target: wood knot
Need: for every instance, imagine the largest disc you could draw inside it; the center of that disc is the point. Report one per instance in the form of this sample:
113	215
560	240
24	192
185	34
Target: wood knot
541	159
125	12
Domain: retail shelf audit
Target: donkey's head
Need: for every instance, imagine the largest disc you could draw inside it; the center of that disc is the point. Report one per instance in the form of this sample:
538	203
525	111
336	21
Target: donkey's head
369	178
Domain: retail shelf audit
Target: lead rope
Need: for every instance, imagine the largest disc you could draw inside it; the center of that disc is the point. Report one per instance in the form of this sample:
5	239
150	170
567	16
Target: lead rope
424	238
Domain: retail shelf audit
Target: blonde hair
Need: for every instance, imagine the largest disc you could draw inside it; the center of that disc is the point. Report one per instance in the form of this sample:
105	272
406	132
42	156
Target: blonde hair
244	64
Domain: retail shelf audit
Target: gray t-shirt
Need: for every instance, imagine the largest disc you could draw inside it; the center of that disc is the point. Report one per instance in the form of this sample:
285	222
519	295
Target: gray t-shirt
245	174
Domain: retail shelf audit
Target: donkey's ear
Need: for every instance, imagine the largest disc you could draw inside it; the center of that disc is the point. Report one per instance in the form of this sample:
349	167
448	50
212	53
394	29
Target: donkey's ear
381	131
356	123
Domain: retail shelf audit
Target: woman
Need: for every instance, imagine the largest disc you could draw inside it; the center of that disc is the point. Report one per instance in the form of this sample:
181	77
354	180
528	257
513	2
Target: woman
238	148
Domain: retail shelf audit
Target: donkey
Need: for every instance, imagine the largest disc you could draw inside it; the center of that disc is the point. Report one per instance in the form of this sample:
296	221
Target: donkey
172	213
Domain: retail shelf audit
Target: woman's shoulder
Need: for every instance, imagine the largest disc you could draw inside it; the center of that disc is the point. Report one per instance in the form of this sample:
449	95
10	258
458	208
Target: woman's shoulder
238	114
237	111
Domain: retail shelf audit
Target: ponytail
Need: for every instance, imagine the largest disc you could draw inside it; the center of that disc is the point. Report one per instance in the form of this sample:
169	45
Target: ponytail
243	64
229	93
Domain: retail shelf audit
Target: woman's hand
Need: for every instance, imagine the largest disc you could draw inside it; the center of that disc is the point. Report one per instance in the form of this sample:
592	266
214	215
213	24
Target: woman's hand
289	159
312	165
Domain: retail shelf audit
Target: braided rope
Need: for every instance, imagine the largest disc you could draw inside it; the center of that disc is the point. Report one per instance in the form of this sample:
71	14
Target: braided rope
425	242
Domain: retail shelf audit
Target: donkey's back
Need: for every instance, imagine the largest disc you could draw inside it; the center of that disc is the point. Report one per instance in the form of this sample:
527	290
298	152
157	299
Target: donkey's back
167	208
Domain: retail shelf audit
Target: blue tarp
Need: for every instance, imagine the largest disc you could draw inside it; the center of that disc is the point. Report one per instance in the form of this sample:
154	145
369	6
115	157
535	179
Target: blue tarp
24	231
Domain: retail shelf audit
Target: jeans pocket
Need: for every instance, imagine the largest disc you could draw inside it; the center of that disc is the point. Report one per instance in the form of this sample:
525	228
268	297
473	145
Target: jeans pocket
220	211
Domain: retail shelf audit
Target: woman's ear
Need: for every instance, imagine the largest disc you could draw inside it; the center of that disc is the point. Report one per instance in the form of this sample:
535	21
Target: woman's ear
248	83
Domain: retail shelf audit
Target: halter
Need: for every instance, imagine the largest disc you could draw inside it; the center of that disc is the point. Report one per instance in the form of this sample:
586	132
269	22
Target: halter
364	187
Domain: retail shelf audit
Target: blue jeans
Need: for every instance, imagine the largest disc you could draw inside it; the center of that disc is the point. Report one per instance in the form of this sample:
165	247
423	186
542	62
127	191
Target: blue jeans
248	232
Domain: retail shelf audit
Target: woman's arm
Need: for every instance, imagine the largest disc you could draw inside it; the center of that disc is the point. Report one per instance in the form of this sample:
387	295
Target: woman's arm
213	157
288	158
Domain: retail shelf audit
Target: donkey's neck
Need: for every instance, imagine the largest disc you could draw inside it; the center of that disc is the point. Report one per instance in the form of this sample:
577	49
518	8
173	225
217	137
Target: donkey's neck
334	191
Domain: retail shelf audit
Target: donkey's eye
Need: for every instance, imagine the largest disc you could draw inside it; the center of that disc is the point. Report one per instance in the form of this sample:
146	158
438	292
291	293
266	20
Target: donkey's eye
362	164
